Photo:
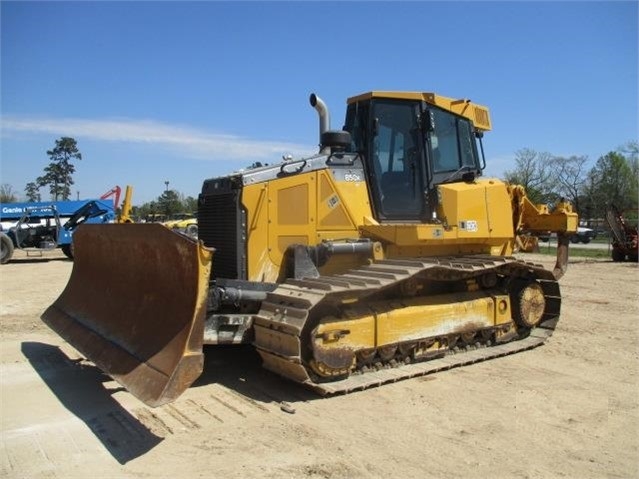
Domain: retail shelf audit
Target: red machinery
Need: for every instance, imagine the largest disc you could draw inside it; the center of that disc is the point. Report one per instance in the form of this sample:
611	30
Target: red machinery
624	236
115	191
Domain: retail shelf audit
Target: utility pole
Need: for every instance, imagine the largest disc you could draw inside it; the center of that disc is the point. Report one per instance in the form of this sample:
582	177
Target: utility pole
166	199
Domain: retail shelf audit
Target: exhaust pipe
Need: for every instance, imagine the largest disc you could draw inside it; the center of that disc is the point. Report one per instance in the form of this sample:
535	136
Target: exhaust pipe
325	123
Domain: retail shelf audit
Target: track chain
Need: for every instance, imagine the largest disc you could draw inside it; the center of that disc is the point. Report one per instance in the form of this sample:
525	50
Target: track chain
280	324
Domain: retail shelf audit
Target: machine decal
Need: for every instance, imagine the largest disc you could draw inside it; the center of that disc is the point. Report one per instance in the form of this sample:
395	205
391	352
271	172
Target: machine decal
352	177
468	225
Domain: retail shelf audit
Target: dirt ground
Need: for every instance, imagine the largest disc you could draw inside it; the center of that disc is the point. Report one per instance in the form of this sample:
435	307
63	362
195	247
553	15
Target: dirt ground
567	409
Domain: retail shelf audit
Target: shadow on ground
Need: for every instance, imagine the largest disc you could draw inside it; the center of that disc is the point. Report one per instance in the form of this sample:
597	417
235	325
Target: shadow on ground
37	259
239	368
80	388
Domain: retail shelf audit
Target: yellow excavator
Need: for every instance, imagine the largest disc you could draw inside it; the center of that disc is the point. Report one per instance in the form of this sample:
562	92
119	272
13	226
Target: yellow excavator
124	215
385	256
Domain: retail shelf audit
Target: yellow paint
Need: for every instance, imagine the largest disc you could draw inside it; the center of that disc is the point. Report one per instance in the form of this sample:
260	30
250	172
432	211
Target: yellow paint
259	264
331	207
353	199
485	203
423	318
478	114
538	218
361	333
326	205
291	214
292	205
473	218
307	208
382	323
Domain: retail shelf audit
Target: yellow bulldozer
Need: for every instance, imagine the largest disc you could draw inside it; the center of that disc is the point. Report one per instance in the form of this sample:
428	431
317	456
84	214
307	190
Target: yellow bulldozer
384	256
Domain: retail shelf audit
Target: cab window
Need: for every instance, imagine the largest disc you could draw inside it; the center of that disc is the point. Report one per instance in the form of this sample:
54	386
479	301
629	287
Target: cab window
452	142
396	158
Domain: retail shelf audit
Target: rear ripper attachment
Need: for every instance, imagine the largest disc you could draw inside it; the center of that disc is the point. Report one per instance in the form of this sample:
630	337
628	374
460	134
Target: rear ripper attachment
379	323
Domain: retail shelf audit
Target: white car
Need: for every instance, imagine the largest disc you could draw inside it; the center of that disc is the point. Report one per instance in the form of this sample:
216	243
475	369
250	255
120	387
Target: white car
583	235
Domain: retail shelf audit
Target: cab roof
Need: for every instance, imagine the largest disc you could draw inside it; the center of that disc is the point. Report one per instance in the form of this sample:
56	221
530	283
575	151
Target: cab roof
478	114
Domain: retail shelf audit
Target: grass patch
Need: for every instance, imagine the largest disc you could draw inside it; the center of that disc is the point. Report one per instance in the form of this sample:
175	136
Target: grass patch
577	251
601	239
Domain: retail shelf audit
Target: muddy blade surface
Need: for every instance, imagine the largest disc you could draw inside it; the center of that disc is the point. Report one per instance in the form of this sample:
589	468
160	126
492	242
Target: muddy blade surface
135	305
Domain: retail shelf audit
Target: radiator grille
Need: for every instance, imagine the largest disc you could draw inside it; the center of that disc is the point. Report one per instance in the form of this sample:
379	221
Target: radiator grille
220	226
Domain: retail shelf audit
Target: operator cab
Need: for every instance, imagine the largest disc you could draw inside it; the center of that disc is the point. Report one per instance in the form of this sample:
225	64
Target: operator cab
412	142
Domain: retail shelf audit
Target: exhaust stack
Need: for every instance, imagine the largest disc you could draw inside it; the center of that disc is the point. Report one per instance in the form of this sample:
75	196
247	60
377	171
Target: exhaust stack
325	122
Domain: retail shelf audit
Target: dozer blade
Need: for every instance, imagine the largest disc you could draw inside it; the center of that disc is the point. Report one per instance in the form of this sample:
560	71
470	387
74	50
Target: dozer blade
135	306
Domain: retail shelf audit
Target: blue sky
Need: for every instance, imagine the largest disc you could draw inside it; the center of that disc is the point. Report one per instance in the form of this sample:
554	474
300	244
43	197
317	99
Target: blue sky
180	92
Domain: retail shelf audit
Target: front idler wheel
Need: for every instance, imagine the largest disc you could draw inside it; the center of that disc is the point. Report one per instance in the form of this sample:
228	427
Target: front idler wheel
329	360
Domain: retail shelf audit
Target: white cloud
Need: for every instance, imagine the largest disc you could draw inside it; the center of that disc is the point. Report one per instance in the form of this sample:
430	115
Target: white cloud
191	142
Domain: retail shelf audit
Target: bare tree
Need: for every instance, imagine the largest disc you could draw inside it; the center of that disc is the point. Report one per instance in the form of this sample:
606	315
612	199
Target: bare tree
6	194
533	171
570	178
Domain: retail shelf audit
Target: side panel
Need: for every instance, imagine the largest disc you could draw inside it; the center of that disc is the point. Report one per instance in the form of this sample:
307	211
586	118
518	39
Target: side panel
343	204
477	211
306	208
259	263
342	201
472	218
291	213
